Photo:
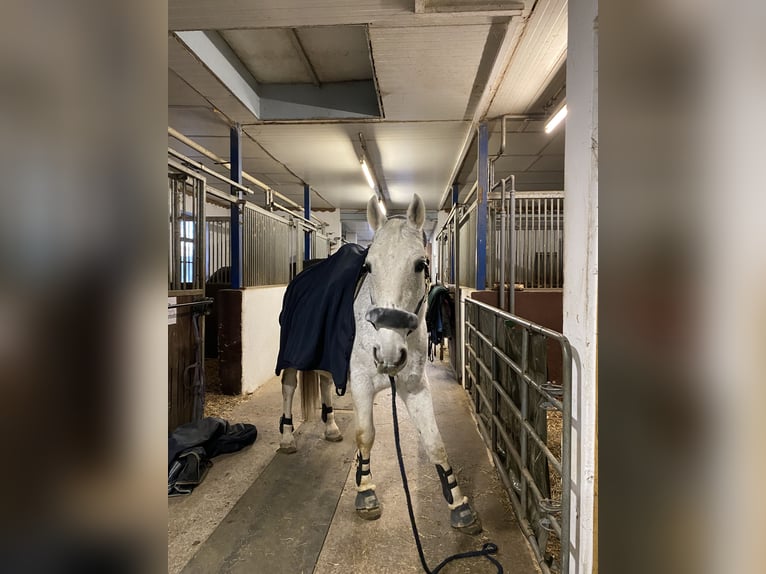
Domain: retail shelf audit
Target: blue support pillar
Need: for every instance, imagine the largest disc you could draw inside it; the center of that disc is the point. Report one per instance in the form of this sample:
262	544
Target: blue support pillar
307	215
235	157
481	208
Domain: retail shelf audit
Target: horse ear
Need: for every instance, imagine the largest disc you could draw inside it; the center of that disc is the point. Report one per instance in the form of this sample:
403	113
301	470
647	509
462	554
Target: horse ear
375	216
416	212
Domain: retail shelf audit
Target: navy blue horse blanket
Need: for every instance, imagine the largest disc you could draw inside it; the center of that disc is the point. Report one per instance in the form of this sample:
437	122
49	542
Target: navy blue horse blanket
317	318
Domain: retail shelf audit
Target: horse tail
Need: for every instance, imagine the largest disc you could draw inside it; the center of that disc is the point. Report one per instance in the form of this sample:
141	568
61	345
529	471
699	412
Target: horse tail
309	394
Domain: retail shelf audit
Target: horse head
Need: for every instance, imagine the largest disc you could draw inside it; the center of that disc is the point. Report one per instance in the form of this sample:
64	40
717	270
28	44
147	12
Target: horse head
397	270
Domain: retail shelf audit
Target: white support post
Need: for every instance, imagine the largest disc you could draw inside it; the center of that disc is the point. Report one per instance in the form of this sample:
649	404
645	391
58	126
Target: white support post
581	269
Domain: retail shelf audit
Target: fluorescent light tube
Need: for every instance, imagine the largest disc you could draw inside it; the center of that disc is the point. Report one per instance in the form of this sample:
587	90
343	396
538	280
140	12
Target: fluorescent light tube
367	174
556	120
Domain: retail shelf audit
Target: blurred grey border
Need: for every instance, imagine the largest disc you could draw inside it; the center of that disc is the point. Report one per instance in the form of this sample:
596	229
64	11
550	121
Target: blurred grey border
83	119
681	303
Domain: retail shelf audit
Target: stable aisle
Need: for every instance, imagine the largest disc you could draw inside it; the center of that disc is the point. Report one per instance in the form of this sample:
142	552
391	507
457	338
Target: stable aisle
261	511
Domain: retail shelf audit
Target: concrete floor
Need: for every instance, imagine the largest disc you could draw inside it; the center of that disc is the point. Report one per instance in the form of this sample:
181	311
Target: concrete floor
261	511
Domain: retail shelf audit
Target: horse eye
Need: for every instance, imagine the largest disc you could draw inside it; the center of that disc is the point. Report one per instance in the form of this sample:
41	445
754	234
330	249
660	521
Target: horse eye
420	266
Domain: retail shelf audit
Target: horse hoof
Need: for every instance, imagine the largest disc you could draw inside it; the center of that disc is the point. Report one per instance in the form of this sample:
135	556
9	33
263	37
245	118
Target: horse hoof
465	519
287	448
367	505
333	437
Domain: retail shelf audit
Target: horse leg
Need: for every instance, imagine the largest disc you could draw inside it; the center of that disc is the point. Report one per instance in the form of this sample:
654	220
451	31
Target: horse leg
366	503
331	431
286	438
420	407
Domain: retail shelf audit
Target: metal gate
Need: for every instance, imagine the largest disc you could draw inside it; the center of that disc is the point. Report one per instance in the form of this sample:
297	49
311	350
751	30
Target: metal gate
525	420
186	294
534	243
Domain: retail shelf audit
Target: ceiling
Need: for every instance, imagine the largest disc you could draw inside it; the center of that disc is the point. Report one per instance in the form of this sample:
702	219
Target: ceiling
304	78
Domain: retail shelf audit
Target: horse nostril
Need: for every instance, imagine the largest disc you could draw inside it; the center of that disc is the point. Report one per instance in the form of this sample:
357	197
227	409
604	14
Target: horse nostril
375	355
402	358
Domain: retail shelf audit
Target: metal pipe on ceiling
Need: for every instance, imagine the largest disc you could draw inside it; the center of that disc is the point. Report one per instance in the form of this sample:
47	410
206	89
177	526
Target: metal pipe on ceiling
471	135
503	138
240	187
204	168
210	155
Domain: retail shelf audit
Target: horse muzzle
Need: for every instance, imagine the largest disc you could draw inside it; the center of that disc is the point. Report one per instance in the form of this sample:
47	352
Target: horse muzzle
387	367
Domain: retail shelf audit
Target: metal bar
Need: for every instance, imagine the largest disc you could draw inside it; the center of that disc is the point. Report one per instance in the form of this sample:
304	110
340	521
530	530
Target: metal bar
534	327
515	503
202	167
524	424
512	249
482	170
503	233
493	239
176	283
527	248
458	322
299	217
199	232
566	452
524	392
563	468
562	231
517	369
466	214
218	195
471	192
307	217
534	194
446	224
185	292
525	475
204	302
538	242
495	396
219	160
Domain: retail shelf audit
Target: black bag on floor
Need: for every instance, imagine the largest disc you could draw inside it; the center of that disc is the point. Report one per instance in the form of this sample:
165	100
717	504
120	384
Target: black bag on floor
191	446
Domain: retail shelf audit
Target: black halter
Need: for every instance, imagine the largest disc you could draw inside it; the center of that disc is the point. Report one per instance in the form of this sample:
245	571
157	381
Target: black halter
389	318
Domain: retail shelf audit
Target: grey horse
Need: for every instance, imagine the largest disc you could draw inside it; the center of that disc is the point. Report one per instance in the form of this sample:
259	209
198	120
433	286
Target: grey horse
391	341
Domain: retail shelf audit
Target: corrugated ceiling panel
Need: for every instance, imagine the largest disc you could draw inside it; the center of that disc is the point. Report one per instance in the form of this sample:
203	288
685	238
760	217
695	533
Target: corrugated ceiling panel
417	157
413	157
338	53
269	55
197	121
229	14
542	49
181	94
427	73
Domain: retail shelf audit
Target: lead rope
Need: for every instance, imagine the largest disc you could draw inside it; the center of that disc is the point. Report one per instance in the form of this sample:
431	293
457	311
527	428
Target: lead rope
486	550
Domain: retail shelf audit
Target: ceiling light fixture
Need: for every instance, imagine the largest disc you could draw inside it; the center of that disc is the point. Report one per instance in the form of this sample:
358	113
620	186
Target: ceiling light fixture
367	173
556	119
